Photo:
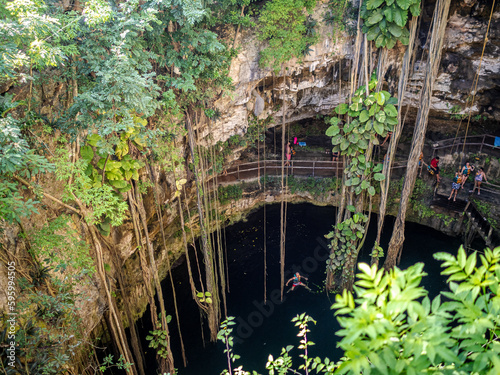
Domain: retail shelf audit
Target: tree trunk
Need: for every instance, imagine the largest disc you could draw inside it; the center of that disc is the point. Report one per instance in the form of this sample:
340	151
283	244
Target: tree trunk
384	185
438	28
212	314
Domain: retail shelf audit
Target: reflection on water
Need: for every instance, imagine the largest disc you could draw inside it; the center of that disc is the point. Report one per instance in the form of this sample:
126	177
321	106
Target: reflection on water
263	329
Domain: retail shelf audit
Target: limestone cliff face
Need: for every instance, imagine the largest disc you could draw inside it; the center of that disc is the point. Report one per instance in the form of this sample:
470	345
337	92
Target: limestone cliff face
318	82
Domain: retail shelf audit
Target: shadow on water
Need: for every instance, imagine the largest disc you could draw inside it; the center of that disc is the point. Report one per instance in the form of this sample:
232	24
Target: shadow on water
265	329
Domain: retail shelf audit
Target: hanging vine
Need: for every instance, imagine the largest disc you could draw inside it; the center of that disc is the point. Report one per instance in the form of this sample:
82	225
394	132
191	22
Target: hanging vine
354	131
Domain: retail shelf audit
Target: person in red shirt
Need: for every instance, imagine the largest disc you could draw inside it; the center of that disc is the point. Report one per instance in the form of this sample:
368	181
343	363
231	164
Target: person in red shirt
434	168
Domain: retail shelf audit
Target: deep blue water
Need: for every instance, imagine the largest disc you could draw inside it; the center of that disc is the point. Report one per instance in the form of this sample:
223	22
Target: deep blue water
265	329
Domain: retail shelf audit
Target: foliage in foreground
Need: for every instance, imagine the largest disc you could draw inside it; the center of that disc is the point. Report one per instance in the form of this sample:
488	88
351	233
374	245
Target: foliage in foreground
390	326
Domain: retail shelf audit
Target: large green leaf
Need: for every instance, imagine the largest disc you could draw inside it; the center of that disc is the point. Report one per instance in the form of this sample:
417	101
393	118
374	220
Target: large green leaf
392	100
355	106
353	138
352	113
334	121
373	32
372	4
119	184
87	153
415	9
100	163
395	30
363	144
391	42
404	4
383	26
374	109
379	128
344	144
389	13
390	110
400	17
337	139
121	149
332	131
380	41
128	174
405	36
93	139
113	165
380	98
342	109
370	100
380	116
379	176
376	16
391	120
114	174
364	116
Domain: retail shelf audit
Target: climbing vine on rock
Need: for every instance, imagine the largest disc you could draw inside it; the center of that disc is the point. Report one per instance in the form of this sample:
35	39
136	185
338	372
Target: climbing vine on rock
354	131
358	124
385	20
344	239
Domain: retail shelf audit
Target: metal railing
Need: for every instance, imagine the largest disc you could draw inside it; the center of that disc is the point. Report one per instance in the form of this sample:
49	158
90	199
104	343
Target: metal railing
312	168
478	142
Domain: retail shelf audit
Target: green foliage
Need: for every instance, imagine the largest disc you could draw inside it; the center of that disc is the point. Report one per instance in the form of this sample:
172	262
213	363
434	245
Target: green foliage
228	12
108	363
118	172
102	199
229	193
385	20
389	328
340	15
57	243
224	335
199	59
485	209
377	251
17	158
343	241
205	297
356	126
49	329
288	30
302	322
317	187
159	340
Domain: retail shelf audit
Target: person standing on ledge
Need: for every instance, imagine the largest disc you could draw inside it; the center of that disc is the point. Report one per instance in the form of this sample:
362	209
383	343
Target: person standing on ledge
288	152
480	176
466	171
296	282
434	168
455	185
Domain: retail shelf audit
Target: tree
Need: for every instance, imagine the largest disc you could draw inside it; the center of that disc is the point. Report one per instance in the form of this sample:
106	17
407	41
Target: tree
289	32
439	26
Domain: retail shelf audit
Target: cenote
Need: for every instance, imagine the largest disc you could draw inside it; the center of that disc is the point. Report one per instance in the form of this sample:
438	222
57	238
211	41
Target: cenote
264	329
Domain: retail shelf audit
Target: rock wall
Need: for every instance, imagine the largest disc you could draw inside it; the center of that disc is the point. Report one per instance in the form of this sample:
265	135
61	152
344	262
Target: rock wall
318	82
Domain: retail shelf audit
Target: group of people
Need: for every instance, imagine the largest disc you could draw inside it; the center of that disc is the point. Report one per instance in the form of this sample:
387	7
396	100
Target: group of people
461	178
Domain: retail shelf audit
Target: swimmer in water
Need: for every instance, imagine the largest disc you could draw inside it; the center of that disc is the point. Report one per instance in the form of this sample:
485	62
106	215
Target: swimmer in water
296	282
